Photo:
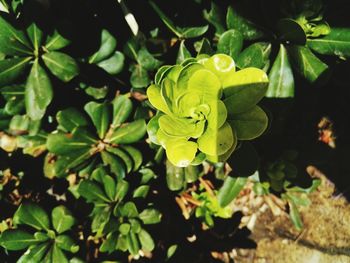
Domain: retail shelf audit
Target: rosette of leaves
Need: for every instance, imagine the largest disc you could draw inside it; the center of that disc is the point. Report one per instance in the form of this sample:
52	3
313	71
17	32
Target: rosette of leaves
30	57
45	240
299	29
204	108
107	58
83	142
114	217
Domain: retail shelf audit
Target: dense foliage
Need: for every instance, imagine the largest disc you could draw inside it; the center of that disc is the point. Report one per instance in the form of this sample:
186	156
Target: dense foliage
124	131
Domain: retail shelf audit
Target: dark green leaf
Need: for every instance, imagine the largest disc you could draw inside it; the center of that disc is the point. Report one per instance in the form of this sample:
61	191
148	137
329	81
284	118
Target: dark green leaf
139	77
183	53
58	255
129	210
16	239
291	32
192	32
107	47
91	191
203	47
32	215
255	55
34	253
135	154
13	41
281	78
231	43
69	119
337	43
248	29
128	133
38	93
175	177
66	243
122	190
146	240
109	186
214	16
100	116
141	191
56	41
133	243
35	35
61	65
12	68
116	164
124	156
307	64
230	189
146	60
122	107
62	219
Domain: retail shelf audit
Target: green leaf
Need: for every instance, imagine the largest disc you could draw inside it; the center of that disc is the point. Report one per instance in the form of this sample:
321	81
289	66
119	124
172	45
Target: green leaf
122	107
231	43
146	240
34	253
58	255
107	47
116	164
244	89
66	144
249	30
230	190
66	243
295	215
181	152
171	251
135	154
183	53
12	68
214	16
221	65
109	245
114	64
150	216
141	191
255	55
336	43
109	186
124	156
91	191
250	124
203	47
139	77
122	190
56	41
70	118
128	133
133	243
192	32
175	176
281	77
129	210
38	93
216	142
307	64
100	116
35	35
62	219
291	32
16	239
61	65
146	60
32	215
181	127
12	41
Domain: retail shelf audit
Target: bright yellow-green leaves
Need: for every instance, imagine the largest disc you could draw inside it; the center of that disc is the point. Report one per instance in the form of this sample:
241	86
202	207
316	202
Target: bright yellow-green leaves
205	107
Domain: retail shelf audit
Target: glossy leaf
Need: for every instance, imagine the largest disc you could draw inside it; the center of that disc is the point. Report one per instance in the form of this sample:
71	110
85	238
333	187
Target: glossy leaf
291	32
183	53
181	152
230	190
124	156
70	118
231	43
38	93
221	65
244	89
135	154
307	64
34	253
12	41
62	219
91	191
100	116
248	29
122	107
146	240
214	17
146	60
175	176
35	35
56	41
281	78
11	69
139	77
115	163
150	216
32	215
66	243
192	32
337	43
250	124
255	55
107	47
61	65
128	133
16	239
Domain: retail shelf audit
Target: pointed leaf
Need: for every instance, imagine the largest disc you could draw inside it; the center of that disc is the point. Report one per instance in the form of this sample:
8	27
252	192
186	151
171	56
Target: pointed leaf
214	16
114	64
12	68
35	35
38	93
230	190
56	41
34	253
58	255
70	118
66	243
128	133
192	32
122	107
61	65
146	240
281	77
109	186
255	55
183	53
91	191
116	164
